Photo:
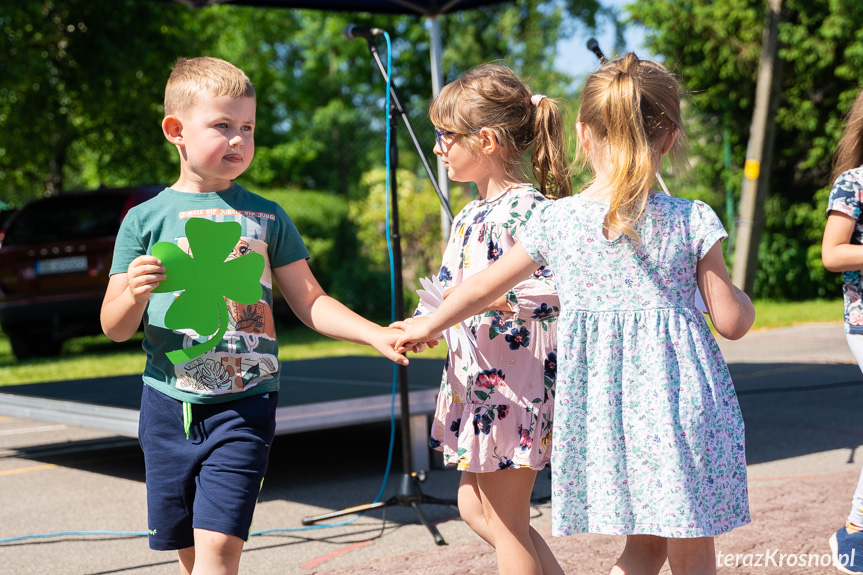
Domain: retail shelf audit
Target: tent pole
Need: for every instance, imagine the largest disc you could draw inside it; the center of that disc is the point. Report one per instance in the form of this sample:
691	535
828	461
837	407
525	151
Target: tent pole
435	49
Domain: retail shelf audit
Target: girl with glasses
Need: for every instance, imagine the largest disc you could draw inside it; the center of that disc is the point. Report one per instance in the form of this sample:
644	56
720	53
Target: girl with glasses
494	412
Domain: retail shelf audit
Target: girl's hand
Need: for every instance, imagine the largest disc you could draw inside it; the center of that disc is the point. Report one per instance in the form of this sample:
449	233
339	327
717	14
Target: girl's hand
144	274
419	347
415	334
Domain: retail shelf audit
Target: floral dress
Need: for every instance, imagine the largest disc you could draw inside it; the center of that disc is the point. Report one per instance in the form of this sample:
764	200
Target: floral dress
494	409
846	197
648	434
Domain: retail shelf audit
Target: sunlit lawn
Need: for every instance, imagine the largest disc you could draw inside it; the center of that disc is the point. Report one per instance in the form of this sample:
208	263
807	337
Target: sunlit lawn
97	356
772	314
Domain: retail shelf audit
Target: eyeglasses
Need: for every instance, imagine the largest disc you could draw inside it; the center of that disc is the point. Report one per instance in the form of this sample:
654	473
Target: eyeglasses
439	133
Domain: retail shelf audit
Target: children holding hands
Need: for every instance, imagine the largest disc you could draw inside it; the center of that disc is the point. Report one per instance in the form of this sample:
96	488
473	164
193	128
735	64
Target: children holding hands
648	435
582	311
206	424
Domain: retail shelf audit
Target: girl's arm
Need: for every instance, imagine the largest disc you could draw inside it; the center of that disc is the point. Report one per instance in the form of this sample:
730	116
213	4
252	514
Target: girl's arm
837	252
535	297
730	309
326	315
471	297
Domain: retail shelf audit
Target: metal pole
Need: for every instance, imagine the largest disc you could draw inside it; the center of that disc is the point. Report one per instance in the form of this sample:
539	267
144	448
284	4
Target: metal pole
435	48
756	173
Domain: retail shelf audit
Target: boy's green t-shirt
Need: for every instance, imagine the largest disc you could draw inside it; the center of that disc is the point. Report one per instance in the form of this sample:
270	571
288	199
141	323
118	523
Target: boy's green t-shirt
245	361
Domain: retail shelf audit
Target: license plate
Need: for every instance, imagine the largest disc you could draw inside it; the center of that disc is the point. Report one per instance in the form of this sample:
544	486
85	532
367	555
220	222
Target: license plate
61	265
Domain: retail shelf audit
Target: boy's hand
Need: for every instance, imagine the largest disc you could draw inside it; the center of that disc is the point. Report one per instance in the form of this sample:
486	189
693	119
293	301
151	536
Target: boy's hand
144	275
384	341
418	347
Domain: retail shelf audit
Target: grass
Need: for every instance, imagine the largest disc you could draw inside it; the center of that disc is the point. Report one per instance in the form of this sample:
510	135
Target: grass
774	314
97	356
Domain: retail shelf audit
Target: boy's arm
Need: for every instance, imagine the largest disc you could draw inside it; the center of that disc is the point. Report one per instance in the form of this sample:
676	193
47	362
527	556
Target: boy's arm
326	315
127	296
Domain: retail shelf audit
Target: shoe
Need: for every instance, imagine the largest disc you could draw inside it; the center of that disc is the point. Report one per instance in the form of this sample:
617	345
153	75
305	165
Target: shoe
847	551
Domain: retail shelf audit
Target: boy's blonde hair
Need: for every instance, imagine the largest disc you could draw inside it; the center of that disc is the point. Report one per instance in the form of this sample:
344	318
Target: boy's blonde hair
192	77
492	96
849	150
629	106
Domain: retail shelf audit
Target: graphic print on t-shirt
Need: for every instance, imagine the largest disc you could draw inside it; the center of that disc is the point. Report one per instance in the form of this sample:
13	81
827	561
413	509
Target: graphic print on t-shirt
234	365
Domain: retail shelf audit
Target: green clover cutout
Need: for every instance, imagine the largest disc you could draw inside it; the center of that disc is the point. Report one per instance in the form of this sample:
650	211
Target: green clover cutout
206	279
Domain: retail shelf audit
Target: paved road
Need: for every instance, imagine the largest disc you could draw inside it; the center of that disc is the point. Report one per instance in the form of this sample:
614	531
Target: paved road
799	390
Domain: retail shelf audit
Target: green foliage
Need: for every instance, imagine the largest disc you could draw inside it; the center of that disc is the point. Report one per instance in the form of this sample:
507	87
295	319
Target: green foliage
81	91
321	219
419	228
81	85
715	48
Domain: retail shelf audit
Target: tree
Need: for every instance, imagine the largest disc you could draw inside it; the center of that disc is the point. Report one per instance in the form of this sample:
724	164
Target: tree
81	90
714	48
81	86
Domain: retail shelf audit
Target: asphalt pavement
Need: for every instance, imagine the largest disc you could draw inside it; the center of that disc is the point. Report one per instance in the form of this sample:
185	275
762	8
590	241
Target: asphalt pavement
799	390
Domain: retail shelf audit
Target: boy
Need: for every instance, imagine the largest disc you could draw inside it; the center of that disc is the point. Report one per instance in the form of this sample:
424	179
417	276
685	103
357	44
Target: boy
207	422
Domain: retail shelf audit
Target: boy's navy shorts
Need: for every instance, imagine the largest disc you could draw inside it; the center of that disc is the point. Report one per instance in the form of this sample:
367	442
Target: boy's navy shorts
211	480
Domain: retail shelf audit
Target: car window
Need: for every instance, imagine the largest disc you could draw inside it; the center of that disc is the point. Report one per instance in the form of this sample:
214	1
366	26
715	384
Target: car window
70	218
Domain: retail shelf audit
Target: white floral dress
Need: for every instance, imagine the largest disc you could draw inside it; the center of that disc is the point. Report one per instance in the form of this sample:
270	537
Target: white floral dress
494	410
648	434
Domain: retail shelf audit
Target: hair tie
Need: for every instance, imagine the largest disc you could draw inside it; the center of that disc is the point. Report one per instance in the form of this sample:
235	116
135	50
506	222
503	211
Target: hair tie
536	99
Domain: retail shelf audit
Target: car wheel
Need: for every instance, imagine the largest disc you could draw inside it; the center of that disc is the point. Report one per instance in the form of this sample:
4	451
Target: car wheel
30	346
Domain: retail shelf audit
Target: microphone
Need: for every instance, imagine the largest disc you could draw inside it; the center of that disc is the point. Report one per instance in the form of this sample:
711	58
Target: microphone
352	32
592	45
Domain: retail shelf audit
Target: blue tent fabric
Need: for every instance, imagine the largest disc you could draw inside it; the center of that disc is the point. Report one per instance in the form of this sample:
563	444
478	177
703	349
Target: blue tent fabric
421	7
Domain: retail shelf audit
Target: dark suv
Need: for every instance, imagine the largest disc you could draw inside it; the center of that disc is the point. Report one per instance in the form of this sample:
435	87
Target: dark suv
55	254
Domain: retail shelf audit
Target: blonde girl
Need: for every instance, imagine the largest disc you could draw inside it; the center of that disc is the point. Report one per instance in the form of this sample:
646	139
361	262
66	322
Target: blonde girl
494	412
648	435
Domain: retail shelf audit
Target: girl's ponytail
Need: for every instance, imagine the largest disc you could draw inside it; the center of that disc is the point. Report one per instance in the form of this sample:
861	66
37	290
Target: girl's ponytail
632	160
628	105
548	162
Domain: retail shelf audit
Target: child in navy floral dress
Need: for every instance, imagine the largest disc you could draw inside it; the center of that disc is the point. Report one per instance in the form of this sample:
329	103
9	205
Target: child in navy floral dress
494	412
648	434
842	251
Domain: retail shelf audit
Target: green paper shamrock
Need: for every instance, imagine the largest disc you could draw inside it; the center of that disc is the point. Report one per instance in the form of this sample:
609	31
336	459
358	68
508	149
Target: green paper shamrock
206	279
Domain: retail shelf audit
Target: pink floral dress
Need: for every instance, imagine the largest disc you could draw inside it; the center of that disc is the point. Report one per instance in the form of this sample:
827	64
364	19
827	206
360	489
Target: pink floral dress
495	410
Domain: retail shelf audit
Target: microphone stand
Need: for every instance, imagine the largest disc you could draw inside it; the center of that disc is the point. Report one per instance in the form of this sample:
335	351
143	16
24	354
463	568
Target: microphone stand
409	493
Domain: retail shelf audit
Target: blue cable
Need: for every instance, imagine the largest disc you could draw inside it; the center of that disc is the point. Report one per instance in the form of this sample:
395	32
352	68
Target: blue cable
395	368
392	261
63	533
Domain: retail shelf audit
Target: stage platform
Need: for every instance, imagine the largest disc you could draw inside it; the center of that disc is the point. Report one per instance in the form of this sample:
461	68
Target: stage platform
315	394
